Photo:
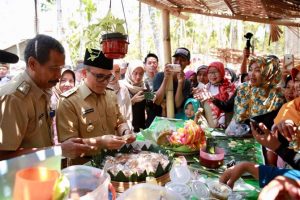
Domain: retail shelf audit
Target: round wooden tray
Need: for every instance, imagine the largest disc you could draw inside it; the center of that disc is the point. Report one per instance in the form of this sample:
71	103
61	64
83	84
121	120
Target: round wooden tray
123	186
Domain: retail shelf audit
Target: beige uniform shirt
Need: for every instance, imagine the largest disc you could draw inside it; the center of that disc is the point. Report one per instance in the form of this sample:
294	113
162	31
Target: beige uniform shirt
82	113
24	115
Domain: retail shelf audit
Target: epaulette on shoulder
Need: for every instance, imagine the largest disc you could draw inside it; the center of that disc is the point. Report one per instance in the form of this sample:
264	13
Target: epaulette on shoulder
24	88
69	92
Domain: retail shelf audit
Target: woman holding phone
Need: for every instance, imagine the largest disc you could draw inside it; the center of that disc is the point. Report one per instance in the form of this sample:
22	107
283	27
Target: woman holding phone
134	83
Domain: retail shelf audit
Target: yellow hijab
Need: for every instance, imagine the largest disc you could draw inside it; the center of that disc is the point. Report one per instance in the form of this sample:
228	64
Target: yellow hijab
253	101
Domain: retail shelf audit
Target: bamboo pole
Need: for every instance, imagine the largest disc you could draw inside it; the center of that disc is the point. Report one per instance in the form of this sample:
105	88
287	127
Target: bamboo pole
167	57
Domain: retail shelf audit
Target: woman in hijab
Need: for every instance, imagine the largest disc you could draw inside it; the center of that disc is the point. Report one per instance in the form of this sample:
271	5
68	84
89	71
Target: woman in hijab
218	88
261	96
192	77
230	75
202	75
191	107
66	82
291	109
134	83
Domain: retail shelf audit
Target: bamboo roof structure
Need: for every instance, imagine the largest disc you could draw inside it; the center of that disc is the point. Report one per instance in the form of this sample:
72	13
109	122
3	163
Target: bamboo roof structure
276	12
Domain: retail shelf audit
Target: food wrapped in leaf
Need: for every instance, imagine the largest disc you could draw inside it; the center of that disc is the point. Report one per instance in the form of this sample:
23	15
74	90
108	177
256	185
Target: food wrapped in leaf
129	164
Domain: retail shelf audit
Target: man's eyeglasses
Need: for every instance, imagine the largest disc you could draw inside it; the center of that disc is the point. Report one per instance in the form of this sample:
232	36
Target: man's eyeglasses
102	77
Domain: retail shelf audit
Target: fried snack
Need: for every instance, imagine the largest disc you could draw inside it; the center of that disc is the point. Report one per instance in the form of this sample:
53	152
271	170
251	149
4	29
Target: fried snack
163	138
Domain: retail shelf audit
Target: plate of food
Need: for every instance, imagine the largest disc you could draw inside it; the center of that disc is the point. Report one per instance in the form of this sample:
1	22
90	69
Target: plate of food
185	140
129	166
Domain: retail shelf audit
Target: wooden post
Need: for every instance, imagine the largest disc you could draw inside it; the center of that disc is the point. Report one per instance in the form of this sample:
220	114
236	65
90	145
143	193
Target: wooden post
167	57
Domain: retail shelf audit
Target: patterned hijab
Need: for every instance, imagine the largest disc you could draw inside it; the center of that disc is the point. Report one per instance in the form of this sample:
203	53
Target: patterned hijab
128	82
252	101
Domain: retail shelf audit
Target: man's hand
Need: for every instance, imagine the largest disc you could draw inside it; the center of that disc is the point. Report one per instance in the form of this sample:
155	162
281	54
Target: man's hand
281	188
110	142
268	139
75	147
129	137
232	174
235	172
167	71
138	97
180	77
246	53
287	128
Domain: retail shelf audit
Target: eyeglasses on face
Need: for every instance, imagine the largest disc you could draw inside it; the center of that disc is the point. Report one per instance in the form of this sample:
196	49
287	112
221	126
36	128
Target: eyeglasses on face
210	73
102	77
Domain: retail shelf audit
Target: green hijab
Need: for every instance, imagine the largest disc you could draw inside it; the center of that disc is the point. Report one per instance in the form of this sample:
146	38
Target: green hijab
195	104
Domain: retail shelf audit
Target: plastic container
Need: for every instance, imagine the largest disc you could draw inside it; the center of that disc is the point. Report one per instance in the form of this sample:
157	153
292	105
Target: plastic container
49	158
146	191
179	188
219	190
31	181
212	160
88	183
199	189
180	174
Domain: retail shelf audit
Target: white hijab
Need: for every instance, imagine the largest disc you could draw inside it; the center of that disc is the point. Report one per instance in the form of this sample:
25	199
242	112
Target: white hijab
128	81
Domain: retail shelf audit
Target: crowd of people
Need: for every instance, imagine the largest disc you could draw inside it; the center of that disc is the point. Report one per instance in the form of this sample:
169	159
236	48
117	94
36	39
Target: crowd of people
103	101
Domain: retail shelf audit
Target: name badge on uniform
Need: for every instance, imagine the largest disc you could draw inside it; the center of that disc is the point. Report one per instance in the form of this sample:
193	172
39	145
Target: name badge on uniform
89	110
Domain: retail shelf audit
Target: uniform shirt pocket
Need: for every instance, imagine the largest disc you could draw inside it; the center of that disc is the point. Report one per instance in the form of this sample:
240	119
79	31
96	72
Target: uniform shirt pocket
89	123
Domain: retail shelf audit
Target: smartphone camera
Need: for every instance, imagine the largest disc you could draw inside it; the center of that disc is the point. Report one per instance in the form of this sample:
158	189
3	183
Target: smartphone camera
289	61
256	127
149	95
175	67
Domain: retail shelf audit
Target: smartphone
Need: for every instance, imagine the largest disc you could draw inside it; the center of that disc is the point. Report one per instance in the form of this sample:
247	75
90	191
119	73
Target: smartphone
175	67
256	127
289	61
149	95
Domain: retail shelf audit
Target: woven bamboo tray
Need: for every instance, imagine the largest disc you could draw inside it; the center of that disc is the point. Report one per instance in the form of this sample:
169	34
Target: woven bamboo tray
123	186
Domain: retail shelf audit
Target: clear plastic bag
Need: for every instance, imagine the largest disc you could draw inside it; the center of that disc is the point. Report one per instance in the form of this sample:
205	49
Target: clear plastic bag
164	125
237	129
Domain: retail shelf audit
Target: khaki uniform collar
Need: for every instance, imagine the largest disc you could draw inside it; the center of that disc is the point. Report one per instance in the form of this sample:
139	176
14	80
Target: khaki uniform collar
36	91
85	91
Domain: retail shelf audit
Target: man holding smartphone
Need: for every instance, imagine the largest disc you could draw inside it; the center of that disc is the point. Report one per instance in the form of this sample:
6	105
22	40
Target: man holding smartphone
182	87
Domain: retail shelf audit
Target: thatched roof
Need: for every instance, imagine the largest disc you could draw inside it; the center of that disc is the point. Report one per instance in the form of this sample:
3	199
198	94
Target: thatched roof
279	12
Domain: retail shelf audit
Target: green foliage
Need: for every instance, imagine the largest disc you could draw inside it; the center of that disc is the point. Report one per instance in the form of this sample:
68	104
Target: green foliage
88	34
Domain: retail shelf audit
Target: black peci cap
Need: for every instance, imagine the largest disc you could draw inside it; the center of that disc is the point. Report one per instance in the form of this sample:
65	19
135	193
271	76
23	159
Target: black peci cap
6	57
96	58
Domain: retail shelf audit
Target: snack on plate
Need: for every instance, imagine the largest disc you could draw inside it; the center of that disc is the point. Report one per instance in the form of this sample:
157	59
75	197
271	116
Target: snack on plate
163	138
191	135
135	163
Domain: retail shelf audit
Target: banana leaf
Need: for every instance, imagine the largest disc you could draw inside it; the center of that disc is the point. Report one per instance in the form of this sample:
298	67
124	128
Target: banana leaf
99	160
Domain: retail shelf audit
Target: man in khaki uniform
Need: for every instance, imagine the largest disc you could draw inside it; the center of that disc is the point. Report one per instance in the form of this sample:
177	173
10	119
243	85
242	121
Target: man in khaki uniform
24	114
91	111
